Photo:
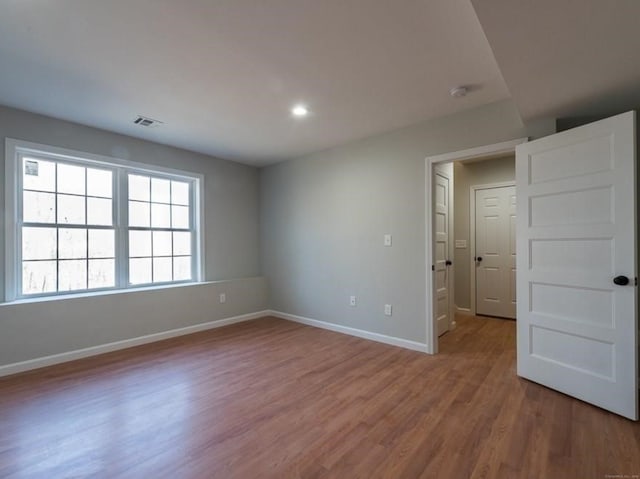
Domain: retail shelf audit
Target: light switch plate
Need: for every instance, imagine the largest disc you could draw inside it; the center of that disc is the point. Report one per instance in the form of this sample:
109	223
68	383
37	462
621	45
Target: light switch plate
387	309
387	240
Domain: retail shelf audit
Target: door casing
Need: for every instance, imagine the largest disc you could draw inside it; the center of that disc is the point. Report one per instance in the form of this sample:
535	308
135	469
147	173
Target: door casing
477	153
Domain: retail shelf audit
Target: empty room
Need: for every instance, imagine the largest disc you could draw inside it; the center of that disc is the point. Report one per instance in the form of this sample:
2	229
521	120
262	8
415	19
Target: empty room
319	239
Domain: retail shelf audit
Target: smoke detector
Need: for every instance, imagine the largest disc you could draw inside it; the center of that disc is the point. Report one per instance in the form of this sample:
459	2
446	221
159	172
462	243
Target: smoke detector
146	122
458	92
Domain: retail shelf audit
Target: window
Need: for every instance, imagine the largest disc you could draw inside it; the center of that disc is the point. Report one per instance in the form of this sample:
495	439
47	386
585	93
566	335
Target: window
159	230
77	222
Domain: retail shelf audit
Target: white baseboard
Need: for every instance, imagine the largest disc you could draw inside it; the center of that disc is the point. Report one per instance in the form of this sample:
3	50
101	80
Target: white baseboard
45	361
126	343
465	311
381	338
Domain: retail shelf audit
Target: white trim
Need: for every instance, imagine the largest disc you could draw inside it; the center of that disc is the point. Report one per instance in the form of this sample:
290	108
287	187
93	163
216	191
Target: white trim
54	359
480	152
431	339
200	236
103	292
126	343
86	157
360	333
472	235
10	218
14	149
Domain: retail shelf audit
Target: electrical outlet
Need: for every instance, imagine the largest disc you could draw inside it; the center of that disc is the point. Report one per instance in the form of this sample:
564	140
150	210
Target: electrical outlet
352	300
387	240
387	310
223	297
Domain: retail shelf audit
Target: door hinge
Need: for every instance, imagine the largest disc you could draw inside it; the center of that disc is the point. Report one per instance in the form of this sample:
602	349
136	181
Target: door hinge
433	268
636	281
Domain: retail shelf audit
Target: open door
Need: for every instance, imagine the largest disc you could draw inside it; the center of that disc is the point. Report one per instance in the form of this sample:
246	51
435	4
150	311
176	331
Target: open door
442	228
576	263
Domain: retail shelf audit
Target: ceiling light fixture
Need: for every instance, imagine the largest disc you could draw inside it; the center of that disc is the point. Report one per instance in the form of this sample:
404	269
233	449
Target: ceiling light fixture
300	111
458	92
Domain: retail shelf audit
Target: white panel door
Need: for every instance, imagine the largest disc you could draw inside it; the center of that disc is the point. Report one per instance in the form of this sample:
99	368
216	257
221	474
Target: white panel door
576	225
495	245
442	265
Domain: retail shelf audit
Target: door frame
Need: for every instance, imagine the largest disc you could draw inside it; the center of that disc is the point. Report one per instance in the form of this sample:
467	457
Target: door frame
476	153
472	234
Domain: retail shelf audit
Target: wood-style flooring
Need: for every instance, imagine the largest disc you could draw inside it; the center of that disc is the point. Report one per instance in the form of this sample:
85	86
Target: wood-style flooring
276	399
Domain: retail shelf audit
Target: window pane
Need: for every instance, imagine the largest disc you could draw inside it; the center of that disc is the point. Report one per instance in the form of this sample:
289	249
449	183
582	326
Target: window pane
182	268
180	217
38	207
71	179
162	243
38	175
99	183
39	243
38	277
72	275
160	190
161	270
72	243
181	243
140	270
139	214
160	216
99	211
139	243
102	273
101	244
139	188
179	193
71	209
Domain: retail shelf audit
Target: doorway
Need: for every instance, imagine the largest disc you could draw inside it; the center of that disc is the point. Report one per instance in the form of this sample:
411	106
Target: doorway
577	329
458	251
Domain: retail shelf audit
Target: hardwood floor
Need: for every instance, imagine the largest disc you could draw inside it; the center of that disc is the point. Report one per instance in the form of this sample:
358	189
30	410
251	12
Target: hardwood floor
271	398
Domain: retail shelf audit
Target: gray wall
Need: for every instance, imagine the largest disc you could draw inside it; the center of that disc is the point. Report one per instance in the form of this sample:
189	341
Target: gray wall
231	239
42	328
467	175
323	218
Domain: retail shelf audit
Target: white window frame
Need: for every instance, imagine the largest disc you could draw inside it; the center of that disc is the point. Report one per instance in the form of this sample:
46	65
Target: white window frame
15	149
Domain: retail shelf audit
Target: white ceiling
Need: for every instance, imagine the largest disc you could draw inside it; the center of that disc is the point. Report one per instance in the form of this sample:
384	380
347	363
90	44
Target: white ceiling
566	58
222	74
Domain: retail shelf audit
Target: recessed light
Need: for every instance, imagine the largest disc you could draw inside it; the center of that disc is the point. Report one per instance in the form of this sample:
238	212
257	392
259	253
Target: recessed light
299	111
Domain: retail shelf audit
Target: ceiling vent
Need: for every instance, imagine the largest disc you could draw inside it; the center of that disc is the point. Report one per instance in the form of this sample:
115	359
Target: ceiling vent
146	122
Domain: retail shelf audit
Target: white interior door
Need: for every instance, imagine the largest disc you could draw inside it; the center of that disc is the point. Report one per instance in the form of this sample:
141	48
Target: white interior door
576	224
443	225
495	250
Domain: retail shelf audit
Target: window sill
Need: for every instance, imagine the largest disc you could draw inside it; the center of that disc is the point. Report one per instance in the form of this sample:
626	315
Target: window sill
93	294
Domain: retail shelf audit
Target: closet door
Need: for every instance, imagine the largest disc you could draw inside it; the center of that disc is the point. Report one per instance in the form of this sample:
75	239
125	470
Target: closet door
495	251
